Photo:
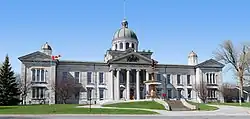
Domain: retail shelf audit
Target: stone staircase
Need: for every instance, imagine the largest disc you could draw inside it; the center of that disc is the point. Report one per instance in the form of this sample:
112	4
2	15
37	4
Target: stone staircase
176	105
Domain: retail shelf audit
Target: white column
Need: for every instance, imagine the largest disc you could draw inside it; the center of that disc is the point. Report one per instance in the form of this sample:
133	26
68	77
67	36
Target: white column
128	87
124	46
118	84
147	78
137	84
112	85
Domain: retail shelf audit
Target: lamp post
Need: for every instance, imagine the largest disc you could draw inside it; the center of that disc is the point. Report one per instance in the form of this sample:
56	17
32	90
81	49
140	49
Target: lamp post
90	98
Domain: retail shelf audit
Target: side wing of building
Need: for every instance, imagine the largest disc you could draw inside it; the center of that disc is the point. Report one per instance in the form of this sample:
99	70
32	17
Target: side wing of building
93	78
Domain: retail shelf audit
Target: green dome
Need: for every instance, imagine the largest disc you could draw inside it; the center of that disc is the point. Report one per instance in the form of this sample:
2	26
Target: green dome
124	32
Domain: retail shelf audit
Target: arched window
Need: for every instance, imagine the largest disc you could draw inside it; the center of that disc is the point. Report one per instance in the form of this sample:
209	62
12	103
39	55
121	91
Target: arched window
116	46
121	45
127	45
133	46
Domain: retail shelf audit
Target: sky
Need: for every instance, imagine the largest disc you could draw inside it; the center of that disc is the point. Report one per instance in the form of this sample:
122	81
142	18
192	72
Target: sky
83	29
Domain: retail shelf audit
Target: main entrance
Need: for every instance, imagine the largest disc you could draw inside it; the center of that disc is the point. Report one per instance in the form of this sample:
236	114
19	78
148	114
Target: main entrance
132	94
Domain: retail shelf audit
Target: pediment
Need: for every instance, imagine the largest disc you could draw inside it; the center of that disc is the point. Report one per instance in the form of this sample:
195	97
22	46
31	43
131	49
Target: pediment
211	63
35	56
132	57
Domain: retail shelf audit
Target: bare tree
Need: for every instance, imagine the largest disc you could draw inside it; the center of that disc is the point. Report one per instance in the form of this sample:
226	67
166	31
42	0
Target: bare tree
65	89
24	88
202	91
229	93
237	59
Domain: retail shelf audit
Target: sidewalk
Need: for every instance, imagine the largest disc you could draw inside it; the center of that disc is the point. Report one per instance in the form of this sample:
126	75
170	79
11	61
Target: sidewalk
223	110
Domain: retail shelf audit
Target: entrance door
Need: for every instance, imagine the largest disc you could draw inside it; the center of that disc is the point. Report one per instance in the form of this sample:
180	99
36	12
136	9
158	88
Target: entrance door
169	94
132	94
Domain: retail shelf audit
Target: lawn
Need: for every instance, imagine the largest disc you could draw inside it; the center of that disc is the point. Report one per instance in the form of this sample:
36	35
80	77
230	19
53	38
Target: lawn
204	107
234	104
139	104
65	109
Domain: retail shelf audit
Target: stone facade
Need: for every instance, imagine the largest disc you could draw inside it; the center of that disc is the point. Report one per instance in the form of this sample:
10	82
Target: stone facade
120	77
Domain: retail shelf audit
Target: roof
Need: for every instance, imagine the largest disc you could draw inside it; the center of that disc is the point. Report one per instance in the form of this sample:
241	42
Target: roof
211	63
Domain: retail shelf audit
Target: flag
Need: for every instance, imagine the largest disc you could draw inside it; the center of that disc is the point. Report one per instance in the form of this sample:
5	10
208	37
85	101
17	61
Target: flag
55	57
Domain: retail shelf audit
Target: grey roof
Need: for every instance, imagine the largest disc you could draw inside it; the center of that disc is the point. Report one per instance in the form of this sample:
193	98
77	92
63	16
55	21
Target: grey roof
74	62
35	56
210	63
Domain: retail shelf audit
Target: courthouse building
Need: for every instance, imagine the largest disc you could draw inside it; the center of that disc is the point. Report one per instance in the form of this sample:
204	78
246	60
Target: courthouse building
120	76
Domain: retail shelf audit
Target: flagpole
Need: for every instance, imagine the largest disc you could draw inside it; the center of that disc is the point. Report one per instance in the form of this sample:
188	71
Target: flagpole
51	64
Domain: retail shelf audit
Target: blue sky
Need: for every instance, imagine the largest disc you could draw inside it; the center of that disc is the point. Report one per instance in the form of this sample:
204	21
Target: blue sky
83	29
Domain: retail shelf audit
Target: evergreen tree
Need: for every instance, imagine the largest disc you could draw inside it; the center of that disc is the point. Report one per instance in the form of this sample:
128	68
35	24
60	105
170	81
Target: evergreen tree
9	91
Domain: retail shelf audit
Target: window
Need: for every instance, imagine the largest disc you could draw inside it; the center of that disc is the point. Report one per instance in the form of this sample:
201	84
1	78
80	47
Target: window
178	79
38	92
189	93
77	95
101	77
210	81
133	45
77	77
168	79
169	93
42	75
33	93
188	79
33	74
37	74
101	93
207	78
127	45
65	74
211	94
121	45
116	46
159	77
89	77
213	78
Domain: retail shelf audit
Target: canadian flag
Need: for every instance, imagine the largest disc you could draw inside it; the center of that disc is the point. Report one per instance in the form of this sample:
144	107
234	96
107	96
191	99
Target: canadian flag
55	57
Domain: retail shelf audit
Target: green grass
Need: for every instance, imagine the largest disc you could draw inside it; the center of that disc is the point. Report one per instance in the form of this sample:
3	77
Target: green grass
65	109
139	104
233	104
204	107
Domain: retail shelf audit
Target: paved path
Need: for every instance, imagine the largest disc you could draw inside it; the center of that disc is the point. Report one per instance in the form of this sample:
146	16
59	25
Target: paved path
122	117
228	112
223	110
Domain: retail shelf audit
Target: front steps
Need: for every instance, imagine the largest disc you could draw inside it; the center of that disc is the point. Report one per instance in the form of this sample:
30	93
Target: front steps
177	105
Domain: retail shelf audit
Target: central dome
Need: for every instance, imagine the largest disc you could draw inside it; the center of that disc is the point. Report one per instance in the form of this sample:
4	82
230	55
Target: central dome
124	32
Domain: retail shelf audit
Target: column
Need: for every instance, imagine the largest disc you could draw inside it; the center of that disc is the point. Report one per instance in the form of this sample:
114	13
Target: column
128	87
112	85
147	78
137	85
118	84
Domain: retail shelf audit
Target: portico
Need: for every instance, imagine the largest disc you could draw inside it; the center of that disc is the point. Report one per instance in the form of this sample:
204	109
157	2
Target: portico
130	85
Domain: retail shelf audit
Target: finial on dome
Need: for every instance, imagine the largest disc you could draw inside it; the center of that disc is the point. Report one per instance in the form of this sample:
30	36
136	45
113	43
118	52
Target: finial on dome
124	23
